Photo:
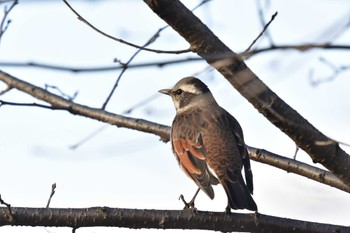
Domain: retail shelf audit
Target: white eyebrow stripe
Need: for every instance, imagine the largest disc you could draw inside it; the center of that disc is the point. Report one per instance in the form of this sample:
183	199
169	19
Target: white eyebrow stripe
190	88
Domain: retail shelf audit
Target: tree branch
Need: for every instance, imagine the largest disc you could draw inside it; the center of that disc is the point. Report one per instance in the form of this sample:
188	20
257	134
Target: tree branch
262	20
203	41
60	103
297	167
161	219
4	22
337	70
264	30
162	63
126	65
98	68
53	188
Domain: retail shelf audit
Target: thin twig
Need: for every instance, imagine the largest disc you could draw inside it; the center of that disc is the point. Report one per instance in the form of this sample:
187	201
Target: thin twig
2	103
120	40
99	68
335	69
11	216
4	22
71	98
200	4
296	152
88	137
53	187
261	33
262	21
301	48
8	88
102	128
150	41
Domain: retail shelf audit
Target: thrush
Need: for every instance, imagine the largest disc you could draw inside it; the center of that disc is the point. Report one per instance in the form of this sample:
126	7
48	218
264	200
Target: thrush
208	144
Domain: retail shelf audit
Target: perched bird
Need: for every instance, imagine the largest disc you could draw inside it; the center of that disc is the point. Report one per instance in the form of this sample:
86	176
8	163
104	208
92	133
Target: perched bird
208	143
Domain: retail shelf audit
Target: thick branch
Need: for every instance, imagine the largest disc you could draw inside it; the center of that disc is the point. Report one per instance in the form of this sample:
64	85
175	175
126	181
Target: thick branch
320	148
297	167
57	102
161	219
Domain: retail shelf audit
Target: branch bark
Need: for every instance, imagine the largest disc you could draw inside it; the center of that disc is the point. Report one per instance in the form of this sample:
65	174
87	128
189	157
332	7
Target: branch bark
297	167
160	219
58	102
203	41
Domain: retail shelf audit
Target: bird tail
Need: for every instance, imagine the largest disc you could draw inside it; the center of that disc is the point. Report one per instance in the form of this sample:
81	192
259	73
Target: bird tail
238	195
248	173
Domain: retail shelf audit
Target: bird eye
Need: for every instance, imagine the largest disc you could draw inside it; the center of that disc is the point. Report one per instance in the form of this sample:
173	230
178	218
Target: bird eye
178	92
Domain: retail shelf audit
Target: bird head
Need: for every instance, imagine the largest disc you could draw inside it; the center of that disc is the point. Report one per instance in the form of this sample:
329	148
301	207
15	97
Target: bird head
189	92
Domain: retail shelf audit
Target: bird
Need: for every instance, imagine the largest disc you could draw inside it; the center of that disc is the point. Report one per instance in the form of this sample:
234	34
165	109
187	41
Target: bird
208	144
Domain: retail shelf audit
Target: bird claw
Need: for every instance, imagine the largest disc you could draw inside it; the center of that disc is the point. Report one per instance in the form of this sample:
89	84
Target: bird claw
188	205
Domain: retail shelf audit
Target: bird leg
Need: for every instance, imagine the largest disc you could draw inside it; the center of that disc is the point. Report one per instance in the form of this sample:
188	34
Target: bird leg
189	205
228	209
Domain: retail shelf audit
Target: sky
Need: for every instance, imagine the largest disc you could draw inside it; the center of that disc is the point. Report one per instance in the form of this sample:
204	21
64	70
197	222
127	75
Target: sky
125	168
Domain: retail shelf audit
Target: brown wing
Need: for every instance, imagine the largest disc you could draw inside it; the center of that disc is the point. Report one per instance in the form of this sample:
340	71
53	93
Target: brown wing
238	134
235	157
189	150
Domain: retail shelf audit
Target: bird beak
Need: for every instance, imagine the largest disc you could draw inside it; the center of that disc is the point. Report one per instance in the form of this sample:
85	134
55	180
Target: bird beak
165	91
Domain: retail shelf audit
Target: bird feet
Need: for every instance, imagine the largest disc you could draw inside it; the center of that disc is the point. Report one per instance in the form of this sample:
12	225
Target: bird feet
228	210
188	205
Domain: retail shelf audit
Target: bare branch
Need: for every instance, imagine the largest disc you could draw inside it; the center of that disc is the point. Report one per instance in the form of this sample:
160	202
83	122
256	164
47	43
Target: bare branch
120	40
53	187
296	152
64	95
337	70
206	44
200	4
4	22
260	34
162	219
88	137
262	21
301	48
150	41
2	103
99	68
126	65
296	167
